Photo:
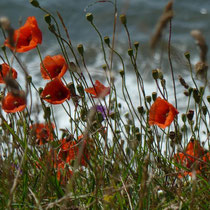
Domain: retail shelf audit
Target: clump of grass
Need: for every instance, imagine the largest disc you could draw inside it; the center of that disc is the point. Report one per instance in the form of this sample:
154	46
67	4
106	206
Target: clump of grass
151	156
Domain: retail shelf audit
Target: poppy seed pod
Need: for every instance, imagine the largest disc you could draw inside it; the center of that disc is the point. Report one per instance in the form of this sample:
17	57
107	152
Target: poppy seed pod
123	19
89	17
136	45
155	74
35	3
140	109
148	99
122	73
107	40
204	109
190	115
187	55
47	18
154	96
130	52
80	49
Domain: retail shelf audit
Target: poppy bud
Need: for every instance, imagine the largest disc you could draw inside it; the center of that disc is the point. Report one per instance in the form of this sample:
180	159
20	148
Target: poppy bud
29	78
190	90
72	88
123	19
186	93
196	95
47	18
80	49
208	98
184	118
120	105
190	114
89	17
130	52
204	109
148	99
40	90
183	83
104	67
163	83
127	115
80	90
187	55
155	74
172	135
184	128
35	3
160	74
122	73
154	96
107	40
73	67
140	109
136	45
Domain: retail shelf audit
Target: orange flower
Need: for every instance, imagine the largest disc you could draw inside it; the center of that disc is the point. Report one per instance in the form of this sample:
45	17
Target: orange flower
54	66
55	92
26	37
162	113
63	173
14	103
6	70
98	90
190	158
43	132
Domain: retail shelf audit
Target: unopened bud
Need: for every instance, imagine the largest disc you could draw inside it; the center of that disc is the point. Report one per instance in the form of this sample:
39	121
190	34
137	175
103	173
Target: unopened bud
104	67
47	112
172	135
208	98
183	83
130	52
35	3
29	78
154	96
190	115
123	19
155	74
187	55
107	40
204	109
140	109
148	99
89	17
47	18
184	118
136	45
122	73
80	49
40	90
196	95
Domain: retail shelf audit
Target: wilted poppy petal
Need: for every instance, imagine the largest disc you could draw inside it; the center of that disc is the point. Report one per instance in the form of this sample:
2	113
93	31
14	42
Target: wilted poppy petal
26	37
99	90
55	92
6	70
162	113
54	66
12	103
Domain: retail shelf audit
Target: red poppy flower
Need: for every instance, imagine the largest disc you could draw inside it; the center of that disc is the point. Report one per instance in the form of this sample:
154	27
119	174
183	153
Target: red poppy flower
162	113
54	66
63	173
43	132
70	150
190	158
26	37
6	70
14	103
55	92
98	90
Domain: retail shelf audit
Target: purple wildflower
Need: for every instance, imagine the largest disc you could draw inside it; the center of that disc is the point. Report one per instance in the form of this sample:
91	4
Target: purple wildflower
102	110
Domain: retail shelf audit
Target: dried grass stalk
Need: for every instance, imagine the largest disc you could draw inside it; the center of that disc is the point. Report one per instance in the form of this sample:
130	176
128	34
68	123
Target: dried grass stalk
164	19
200	41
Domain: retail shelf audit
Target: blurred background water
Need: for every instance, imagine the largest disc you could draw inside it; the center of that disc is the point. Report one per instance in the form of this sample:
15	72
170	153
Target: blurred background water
142	16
